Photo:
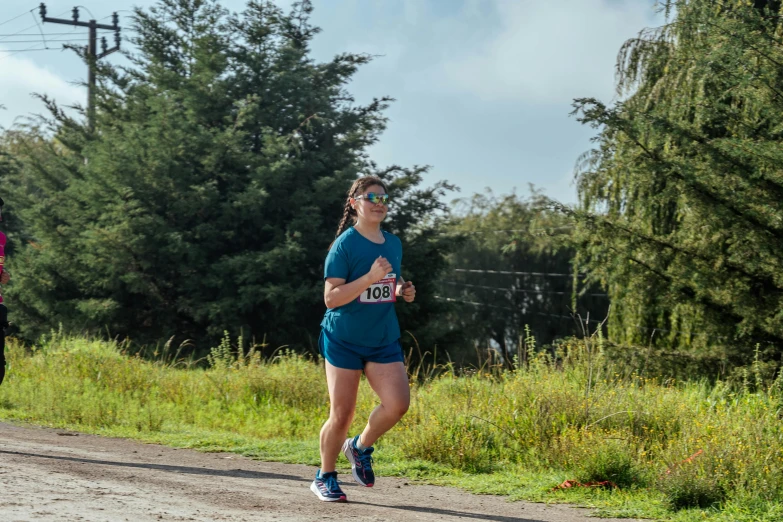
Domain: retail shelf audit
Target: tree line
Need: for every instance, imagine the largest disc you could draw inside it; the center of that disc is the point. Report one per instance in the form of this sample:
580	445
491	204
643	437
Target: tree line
207	194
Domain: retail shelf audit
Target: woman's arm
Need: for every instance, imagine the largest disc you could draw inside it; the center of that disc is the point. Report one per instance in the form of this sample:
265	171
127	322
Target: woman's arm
338	293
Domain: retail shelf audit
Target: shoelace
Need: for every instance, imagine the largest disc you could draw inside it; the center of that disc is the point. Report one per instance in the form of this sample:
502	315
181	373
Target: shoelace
331	484
365	459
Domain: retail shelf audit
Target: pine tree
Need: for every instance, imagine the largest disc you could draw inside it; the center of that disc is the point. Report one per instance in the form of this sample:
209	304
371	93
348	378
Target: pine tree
208	195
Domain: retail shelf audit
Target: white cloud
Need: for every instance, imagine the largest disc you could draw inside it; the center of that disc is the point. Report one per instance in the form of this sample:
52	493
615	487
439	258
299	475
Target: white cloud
20	78
546	52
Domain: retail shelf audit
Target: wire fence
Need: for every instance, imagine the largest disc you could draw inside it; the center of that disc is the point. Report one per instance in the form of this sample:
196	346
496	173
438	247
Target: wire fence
511	272
586	320
497	289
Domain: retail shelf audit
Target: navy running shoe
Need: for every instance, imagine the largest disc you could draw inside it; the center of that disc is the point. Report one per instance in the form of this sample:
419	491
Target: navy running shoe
361	462
327	488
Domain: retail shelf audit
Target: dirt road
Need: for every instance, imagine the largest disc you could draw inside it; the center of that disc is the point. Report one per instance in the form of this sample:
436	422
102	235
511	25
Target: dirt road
49	474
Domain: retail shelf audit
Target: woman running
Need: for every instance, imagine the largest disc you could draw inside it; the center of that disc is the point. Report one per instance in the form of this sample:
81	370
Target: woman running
360	332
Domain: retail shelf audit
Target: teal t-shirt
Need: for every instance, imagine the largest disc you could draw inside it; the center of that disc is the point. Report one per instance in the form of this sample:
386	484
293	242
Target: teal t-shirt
369	320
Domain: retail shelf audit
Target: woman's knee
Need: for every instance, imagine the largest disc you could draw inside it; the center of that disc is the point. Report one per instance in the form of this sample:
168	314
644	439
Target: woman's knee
341	418
398	407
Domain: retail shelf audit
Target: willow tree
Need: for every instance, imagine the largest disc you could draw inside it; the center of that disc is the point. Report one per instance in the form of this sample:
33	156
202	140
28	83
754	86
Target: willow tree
681	201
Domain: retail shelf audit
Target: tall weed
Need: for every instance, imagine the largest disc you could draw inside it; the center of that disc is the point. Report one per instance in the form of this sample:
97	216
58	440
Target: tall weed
569	410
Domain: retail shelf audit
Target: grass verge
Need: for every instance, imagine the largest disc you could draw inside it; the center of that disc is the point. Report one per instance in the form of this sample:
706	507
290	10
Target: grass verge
674	451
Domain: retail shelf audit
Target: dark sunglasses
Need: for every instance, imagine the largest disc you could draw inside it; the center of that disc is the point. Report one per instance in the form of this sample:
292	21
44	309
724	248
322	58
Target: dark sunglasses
374	198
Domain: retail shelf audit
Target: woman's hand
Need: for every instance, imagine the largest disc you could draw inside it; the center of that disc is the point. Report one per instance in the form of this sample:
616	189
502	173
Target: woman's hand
380	268
407	291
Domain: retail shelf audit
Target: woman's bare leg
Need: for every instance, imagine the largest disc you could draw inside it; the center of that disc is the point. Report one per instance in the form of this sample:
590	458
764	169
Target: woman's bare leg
390	383
343	387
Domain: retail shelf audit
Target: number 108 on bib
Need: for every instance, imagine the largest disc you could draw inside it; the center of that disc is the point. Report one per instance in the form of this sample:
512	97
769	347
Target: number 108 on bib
384	291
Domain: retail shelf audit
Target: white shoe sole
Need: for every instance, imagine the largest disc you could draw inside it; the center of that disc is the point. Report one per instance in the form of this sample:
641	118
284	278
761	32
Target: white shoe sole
317	492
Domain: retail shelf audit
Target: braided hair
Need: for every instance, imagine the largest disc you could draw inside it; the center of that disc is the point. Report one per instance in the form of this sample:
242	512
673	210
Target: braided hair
349	213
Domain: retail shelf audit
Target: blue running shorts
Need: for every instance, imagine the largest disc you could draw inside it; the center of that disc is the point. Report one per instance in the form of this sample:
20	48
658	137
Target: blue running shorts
353	357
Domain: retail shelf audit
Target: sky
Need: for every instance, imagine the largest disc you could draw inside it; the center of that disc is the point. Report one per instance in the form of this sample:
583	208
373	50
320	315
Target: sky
483	88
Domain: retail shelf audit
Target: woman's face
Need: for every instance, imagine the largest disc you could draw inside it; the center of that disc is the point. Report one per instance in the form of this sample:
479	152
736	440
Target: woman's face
369	212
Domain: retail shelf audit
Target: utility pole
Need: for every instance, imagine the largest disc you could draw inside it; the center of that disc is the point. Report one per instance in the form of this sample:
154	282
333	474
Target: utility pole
92	50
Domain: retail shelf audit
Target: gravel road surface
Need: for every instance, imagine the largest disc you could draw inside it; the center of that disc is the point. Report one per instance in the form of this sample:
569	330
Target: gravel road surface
49	474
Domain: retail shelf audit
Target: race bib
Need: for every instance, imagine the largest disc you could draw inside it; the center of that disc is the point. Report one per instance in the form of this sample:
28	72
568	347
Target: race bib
384	291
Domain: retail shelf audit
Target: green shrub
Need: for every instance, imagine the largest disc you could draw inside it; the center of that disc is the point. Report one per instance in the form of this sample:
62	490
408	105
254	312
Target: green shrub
607	460
466	443
690	487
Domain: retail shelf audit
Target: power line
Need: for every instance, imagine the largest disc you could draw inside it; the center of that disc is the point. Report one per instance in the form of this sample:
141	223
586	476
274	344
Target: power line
29	49
12	52
93	16
36	34
27	28
40	29
8	35
7	56
23	30
16	17
44	41
92	53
